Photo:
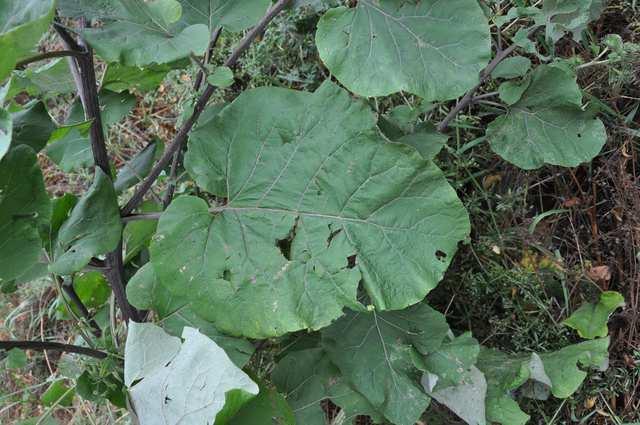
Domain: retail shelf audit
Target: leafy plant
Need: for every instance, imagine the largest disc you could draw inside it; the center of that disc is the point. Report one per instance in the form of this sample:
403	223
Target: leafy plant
301	212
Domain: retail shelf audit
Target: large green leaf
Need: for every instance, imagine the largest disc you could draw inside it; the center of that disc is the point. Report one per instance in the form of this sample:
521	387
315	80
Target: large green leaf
376	351
430	48
24	208
590	320
233	15
317	201
307	377
32	126
138	32
179	382
22	23
94	227
143	292
547	124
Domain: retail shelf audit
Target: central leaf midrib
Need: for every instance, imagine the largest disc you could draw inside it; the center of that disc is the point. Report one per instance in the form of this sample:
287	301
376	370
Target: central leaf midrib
218	210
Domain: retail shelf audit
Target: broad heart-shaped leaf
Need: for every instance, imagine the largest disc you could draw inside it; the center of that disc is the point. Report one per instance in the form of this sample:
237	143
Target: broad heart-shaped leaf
24	208
547	124
143	292
93	228
590	320
311	189
233	15
430	48
22	23
139	33
180	383
376	351
307	377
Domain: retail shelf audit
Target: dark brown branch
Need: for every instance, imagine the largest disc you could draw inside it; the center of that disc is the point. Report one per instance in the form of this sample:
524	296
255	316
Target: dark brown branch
469	96
83	70
47	55
53	346
183	132
175	163
207	56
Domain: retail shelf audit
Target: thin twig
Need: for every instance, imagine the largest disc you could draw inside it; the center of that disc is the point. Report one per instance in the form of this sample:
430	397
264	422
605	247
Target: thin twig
47	55
53	346
182	134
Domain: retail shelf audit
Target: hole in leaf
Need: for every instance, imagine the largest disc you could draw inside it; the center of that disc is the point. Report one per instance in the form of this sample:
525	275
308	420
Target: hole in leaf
351	261
331	236
284	245
440	255
579	135
226	275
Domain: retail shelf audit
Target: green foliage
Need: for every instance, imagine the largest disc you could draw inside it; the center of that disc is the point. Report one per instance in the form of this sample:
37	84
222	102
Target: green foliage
547	111
93	228
24	208
16	359
22	23
58	394
379	48
590	320
281	190
315	221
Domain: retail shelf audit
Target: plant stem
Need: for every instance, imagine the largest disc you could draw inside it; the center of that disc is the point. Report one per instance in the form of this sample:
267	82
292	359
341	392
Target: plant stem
468	97
183	132
73	297
173	174
83	70
53	346
47	55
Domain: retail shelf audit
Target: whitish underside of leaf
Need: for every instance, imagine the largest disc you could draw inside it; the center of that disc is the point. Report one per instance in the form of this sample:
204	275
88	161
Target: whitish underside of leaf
179	383
431	48
547	125
317	201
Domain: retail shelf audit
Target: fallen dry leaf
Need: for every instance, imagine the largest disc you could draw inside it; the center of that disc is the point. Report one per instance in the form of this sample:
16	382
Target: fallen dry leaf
599	273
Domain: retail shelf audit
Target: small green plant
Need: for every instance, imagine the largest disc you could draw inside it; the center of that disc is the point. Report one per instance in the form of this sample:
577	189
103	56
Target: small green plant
314	214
